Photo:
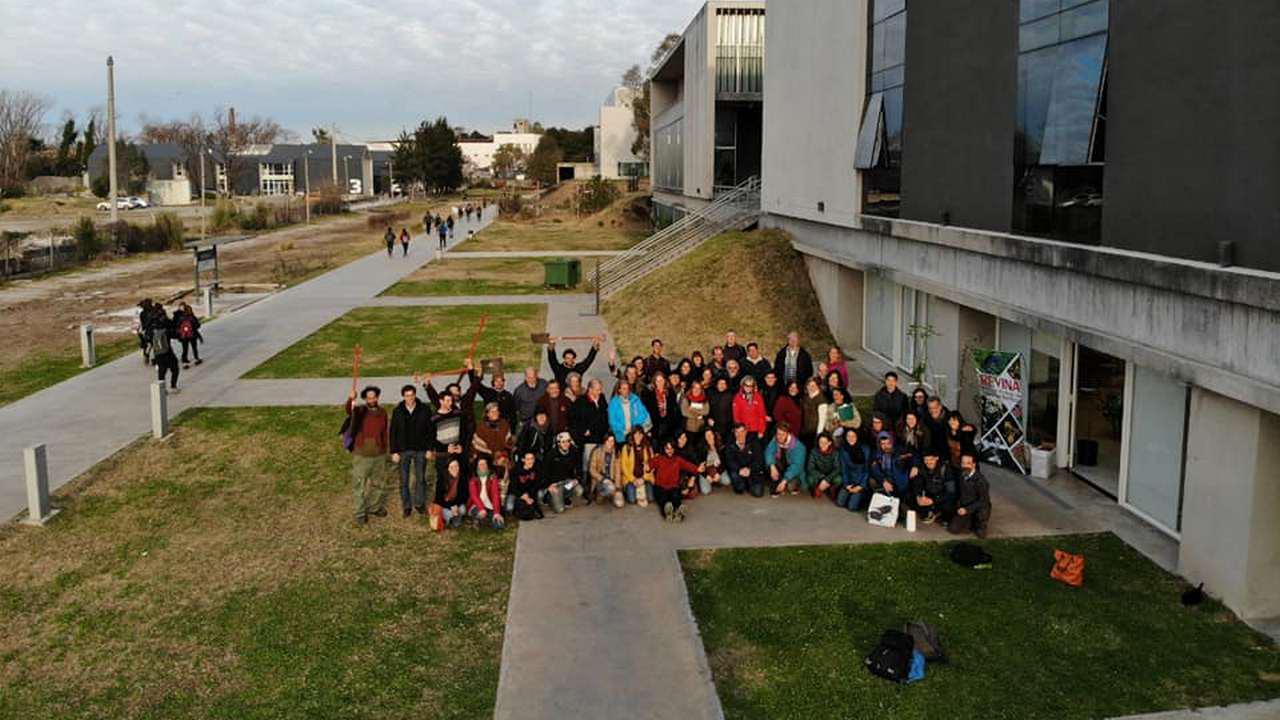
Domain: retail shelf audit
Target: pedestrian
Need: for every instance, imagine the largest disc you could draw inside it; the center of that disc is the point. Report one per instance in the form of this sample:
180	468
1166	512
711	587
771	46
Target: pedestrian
188	330
449	222
368	434
142	328
161	348
412	437
404	242
443	232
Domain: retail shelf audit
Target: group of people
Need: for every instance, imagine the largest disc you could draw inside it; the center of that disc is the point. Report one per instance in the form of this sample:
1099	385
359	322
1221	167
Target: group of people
666	433
156	330
443	227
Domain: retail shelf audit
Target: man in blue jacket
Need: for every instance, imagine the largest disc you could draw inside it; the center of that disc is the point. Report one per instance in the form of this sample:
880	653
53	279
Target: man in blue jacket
626	412
886	473
785	457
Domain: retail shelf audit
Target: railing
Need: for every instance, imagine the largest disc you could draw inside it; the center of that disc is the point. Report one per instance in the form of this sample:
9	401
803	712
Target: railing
735	209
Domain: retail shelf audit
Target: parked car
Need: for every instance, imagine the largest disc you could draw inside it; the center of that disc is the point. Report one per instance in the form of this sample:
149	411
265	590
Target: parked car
121	204
137	203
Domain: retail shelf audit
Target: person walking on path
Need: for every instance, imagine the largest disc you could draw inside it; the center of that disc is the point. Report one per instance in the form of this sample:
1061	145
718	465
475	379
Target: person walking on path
404	242
390	238
161	348
443	233
187	326
411	438
449	222
368	434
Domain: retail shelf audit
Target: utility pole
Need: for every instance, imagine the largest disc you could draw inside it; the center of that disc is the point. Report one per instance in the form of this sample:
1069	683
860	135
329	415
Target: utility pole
111	144
391	179
203	235
333	151
306	181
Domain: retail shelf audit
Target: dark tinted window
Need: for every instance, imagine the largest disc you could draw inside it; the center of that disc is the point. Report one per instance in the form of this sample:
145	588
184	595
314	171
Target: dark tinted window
880	144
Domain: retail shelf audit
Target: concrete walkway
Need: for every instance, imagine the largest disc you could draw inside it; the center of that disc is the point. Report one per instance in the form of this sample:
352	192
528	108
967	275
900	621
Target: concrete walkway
86	419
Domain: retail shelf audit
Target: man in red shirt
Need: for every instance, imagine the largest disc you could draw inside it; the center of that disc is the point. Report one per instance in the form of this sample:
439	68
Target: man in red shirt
667	466
368	437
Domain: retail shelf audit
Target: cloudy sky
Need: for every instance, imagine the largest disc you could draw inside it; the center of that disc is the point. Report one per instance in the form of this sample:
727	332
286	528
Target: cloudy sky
371	68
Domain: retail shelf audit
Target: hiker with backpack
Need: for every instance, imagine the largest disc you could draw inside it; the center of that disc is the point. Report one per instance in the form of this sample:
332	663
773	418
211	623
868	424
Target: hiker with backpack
162	354
188	330
367	435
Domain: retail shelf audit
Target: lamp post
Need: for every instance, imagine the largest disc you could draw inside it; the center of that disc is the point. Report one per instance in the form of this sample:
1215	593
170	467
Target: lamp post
346	175
306	181
111	144
202	188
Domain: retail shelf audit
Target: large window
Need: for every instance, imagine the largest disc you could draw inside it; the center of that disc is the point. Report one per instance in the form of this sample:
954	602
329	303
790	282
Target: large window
668	157
1061	123
275	178
726	152
879	149
739	50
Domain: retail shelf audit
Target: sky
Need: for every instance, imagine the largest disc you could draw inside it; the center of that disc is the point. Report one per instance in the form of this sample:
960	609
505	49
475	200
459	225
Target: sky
369	68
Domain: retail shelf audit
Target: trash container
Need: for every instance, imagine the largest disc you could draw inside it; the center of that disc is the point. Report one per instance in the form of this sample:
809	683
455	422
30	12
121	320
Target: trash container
556	272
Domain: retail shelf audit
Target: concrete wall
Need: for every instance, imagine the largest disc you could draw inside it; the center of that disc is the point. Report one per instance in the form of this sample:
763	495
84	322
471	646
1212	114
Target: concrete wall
1193	155
1216	328
1230	539
699	104
814	88
839	291
616	134
959	111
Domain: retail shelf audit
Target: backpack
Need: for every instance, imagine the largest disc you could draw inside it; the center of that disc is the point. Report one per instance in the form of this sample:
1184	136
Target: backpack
348	432
160	342
927	640
187	328
970	556
891	659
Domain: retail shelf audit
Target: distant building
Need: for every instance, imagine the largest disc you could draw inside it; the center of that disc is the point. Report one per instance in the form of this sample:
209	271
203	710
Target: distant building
614	136
478	154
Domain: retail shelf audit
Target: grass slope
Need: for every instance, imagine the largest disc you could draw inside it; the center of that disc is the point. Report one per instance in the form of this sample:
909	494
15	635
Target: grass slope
554	235
518	276
786	630
751	282
404	340
219	575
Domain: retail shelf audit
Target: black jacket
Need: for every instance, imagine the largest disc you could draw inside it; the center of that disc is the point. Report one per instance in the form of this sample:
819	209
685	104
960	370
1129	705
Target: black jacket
506	402
563	466
562	373
757	369
804	366
535	440
749	456
973	493
588	421
664	428
894	405
412	431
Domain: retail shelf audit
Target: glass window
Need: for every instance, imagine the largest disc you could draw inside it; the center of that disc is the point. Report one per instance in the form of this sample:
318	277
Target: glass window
726	167
893	126
1084	20
1032	9
1073	103
869	137
1038	34
879	148
881	9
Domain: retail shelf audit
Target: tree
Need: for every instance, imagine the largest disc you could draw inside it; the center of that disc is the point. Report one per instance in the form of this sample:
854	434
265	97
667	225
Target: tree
88	141
192	135
633	78
542	163
431	156
508	159
132	170
21	117
66	162
230	137
578	145
640	106
320	136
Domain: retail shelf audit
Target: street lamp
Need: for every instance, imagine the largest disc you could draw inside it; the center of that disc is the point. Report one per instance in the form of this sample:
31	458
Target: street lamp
306	181
202	188
346	176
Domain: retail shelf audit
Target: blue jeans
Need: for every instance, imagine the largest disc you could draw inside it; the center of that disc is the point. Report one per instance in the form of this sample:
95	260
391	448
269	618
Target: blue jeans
418	460
853	501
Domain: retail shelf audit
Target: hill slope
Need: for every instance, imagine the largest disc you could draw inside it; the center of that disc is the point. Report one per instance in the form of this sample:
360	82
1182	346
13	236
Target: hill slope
750	282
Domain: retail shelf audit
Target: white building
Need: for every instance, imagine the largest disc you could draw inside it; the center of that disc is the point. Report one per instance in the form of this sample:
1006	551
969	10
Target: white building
479	153
615	134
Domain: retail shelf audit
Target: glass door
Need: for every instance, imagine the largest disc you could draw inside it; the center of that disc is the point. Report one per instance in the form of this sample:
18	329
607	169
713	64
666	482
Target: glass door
1098	425
1153	484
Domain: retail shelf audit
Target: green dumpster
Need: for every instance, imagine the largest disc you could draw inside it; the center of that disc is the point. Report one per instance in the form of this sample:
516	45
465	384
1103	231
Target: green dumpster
556	272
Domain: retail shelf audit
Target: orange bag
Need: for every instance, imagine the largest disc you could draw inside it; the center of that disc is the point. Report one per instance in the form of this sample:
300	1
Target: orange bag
435	517
1068	568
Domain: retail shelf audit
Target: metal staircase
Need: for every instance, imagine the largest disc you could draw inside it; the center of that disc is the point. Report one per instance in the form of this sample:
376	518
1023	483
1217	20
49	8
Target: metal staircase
735	209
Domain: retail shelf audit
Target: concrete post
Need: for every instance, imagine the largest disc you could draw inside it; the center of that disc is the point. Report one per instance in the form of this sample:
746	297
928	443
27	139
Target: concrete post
159	410
208	302
88	350
36	461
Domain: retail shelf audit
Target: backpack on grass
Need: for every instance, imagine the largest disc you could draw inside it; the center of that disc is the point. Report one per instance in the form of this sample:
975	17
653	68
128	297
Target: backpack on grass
970	556
891	659
928	642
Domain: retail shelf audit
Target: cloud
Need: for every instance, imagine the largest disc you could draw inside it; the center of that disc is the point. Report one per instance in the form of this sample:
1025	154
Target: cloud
371	68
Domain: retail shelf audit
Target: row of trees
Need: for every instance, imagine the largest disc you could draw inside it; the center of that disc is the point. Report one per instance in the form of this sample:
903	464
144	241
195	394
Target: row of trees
224	136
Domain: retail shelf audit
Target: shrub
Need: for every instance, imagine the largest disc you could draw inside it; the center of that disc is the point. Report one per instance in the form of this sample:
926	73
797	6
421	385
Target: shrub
88	241
596	194
258	219
224	215
328	201
101	186
510	204
167	232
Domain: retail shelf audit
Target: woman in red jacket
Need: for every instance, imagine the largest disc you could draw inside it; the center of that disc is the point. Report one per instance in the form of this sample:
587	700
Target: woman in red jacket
787	407
484	502
667	467
749	409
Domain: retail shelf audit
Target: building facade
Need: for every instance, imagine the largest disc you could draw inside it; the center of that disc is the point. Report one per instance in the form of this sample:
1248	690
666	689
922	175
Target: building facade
615	135
477	154
1093	184
705	106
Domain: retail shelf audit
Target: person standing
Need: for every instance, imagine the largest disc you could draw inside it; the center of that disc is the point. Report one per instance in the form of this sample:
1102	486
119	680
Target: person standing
793	361
390	239
497	392
188	330
142	328
443	233
527	394
368	431
655	362
561	368
891	401
589	425
449	222
162	349
404	242
412	437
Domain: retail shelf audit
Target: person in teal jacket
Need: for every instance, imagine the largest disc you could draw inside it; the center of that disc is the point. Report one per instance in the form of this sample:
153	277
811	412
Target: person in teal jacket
822	470
626	412
785	457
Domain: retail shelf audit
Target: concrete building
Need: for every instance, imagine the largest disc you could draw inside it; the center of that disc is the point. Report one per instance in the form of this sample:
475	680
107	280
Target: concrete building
477	153
1091	184
705	106
615	134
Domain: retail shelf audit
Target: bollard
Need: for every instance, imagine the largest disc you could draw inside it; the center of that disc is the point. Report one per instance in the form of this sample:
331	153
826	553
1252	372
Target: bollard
159	410
88	352
208	302
36	461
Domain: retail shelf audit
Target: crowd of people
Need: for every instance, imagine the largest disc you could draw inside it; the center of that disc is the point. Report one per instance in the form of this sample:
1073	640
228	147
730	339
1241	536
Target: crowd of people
664	434
442	226
156	330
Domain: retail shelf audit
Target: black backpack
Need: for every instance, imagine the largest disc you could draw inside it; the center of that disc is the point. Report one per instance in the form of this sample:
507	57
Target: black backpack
970	556
891	659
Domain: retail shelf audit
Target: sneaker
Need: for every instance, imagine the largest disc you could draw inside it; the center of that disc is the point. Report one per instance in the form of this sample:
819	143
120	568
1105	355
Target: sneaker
795	491
680	514
408	512
199	361
186	366
362	520
174	391
930	519
380	512
667	511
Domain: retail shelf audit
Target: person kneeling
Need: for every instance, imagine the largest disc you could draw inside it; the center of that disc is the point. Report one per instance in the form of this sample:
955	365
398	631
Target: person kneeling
744	462
564	474
483	501
822	472
667	468
785	456
931	489
635	476
605	469
523	490
973	499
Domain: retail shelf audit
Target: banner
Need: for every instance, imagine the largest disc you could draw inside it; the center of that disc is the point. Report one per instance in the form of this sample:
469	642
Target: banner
1000	397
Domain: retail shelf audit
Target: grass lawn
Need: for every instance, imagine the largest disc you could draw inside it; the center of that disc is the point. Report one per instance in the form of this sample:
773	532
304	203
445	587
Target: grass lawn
219	575
555	234
37	372
751	282
519	276
402	340
786	630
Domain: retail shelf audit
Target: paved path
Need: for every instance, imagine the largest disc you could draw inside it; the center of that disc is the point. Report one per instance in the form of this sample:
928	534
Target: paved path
93	415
